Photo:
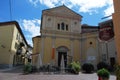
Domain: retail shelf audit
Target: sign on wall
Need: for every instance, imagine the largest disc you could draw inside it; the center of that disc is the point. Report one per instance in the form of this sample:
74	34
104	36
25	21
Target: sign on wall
91	58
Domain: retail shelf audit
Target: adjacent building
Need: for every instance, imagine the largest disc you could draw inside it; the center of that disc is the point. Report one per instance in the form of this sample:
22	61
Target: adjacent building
36	50
116	19
107	42
89	45
13	44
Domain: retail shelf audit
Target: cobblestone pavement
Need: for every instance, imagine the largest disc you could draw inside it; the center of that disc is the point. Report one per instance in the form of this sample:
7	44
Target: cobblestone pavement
17	75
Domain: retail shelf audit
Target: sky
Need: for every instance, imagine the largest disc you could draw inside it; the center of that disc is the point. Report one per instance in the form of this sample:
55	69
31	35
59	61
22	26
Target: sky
28	12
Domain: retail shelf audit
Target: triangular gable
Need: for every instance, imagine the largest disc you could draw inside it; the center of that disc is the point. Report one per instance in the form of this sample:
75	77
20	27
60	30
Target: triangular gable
62	10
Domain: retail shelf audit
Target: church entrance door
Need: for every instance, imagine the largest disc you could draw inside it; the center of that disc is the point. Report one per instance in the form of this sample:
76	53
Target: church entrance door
62	59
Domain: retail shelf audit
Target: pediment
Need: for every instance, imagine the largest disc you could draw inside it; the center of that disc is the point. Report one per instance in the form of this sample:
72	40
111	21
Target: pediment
62	10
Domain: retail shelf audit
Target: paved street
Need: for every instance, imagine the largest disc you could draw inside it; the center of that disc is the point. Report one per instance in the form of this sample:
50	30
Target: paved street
17	75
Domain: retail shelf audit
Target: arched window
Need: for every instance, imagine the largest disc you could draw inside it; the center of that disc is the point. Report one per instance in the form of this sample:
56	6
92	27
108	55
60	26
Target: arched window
58	26
62	25
66	27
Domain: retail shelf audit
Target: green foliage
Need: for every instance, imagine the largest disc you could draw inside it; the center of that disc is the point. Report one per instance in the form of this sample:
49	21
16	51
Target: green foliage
101	65
75	66
117	71
103	73
27	68
87	67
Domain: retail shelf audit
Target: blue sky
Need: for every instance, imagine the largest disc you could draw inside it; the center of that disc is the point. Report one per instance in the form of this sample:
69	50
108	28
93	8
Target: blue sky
28	12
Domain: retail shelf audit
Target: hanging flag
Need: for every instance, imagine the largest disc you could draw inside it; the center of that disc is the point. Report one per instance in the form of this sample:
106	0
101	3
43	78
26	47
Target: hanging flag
53	53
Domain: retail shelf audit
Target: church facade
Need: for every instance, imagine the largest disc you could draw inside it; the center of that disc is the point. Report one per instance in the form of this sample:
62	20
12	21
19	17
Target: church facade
63	39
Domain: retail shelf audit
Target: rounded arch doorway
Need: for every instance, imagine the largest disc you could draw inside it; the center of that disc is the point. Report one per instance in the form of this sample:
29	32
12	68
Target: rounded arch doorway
62	52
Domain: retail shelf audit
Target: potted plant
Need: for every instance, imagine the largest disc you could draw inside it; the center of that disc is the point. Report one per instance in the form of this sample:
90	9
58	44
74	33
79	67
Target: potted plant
88	67
27	68
117	71
103	74
75	67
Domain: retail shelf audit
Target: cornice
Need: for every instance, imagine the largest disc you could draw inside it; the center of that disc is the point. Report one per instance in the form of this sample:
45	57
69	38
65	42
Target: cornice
68	35
60	32
62	15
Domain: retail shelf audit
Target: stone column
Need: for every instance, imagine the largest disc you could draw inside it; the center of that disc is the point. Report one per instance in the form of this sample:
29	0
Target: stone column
72	48
80	43
42	48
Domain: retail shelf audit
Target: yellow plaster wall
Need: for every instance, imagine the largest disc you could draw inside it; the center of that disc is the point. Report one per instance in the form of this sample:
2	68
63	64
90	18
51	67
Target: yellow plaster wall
8	35
76	56
62	42
36	45
14	33
36	49
85	43
83	49
93	40
14	40
6	40
47	50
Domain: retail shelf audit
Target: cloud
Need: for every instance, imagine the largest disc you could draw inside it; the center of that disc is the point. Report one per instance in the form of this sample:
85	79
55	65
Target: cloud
110	9
86	6
31	27
89	5
34	2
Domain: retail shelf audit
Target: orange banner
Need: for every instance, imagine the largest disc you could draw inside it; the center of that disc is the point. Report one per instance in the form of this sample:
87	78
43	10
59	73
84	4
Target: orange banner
53	53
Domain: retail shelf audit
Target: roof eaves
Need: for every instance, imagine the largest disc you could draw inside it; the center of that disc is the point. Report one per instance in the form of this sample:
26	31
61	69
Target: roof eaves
62	6
17	26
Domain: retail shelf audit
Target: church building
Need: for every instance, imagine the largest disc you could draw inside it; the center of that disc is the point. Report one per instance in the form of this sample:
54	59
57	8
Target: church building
64	39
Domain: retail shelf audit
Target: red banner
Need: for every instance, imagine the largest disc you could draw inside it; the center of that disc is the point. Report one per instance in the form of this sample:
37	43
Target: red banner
53	53
106	33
